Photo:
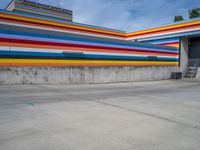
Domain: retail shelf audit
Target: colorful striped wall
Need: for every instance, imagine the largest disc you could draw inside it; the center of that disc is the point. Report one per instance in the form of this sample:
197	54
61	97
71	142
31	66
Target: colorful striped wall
30	41
167	35
27	38
184	28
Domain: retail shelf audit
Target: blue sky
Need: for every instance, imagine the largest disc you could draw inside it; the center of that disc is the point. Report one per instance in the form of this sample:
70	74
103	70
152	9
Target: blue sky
127	15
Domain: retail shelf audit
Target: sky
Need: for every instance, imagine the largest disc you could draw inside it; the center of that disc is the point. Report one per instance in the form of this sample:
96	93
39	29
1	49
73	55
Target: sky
125	15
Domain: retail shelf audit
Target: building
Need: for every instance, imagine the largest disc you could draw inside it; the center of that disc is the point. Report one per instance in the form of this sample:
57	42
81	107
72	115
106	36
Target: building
184	35
25	7
39	44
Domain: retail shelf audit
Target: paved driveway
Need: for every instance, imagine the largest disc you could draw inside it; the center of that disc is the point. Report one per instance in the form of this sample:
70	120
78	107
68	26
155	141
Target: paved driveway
162	115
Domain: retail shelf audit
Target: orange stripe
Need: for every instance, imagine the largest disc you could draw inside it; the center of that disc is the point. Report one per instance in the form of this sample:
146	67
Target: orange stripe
172	45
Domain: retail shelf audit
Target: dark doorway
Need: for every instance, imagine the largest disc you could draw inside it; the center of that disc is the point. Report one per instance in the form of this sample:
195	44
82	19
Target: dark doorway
194	48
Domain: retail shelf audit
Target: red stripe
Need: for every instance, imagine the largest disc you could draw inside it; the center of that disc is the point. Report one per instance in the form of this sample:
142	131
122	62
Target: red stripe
78	45
171	43
168	43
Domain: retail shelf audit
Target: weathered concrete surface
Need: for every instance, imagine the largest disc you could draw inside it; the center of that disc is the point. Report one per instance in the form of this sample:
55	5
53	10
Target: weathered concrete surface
162	115
81	75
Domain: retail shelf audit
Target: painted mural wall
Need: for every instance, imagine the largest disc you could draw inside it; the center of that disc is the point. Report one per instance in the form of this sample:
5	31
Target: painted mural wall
173	30
32	41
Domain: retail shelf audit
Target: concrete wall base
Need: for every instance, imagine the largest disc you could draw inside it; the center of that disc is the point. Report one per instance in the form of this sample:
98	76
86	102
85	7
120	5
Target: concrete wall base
81	75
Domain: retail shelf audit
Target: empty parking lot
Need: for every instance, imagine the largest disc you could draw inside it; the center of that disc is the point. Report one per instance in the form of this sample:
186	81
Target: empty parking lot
161	115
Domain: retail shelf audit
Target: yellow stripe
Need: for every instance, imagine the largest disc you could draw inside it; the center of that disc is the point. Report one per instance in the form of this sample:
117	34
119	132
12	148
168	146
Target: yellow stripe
9	16
32	61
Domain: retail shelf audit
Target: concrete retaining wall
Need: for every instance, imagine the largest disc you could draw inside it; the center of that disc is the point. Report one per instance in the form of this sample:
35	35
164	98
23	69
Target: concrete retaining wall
81	75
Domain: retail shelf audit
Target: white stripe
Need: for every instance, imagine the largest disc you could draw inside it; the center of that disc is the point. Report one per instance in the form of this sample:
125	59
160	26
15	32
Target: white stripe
5	48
